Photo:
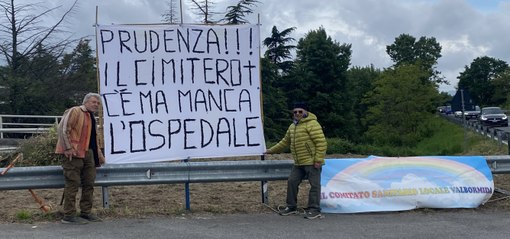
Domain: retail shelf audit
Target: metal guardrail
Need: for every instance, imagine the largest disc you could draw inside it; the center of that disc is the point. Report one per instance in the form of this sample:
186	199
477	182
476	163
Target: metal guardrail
7	149
24	130
152	173
499	164
495	134
176	173
19	127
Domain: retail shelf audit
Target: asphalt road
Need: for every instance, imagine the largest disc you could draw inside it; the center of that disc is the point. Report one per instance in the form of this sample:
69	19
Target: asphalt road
494	225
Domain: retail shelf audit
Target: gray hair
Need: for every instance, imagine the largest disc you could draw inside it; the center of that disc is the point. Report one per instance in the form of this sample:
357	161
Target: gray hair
87	97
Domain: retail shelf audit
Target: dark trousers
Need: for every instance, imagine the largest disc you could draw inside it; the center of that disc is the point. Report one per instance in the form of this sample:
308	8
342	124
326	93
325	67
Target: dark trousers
77	170
297	175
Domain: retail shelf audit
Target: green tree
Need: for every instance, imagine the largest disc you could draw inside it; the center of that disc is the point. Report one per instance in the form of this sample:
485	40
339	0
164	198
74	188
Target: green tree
237	14
20	96
50	83
78	75
478	79
31	46
278	48
425	52
22	32
502	89
361	79
27	94
320	79
399	106
443	98
276	113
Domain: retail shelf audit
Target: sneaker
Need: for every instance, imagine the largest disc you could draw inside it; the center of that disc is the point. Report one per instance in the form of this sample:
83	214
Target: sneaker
288	211
312	215
91	217
73	220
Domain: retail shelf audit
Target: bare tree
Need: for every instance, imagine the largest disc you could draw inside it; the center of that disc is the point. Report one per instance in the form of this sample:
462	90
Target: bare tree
171	15
204	8
22	32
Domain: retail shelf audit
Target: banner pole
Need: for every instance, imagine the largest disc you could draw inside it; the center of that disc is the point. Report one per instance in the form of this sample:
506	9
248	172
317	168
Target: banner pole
186	186
263	183
180	5
100	125
104	190
260	78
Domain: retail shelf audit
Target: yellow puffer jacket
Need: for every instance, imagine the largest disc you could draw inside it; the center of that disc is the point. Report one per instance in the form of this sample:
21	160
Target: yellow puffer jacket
306	141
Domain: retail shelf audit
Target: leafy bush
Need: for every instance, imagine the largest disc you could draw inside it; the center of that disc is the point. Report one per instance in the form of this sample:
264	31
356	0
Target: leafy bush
38	150
339	146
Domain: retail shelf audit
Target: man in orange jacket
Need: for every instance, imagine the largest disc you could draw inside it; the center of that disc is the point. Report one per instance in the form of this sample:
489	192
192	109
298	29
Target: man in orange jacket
78	146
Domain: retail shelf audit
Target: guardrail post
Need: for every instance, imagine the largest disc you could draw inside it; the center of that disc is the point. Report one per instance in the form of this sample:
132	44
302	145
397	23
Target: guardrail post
492	134
508	141
500	136
264	187
186	187
1	126
106	202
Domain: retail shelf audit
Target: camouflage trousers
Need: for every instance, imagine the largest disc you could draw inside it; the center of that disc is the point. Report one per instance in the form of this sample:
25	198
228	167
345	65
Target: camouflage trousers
76	170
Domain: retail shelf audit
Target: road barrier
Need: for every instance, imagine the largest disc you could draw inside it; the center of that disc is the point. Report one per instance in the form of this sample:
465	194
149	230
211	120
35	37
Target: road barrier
153	173
31	128
176	173
499	164
488	132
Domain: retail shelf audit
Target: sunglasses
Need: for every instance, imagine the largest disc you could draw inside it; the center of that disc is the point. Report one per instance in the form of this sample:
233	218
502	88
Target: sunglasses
298	111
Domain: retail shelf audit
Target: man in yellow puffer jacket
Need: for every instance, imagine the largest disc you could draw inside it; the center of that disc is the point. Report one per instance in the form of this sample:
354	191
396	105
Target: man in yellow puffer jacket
308	147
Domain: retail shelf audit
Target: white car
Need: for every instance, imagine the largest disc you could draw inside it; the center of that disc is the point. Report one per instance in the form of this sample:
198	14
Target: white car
458	113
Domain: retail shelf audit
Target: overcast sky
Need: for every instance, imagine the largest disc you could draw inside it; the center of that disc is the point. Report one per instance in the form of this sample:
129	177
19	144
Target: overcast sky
466	29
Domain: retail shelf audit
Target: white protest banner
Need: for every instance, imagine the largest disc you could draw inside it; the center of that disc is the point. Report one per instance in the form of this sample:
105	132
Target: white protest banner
172	92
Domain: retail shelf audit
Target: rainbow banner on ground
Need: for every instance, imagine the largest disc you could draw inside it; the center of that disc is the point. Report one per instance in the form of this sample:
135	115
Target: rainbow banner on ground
404	183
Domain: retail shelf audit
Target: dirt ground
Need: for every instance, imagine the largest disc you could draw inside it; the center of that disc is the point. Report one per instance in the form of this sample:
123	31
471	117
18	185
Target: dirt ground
18	206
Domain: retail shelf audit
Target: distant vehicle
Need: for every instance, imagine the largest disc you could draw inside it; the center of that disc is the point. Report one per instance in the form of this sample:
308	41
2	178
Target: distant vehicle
493	116
458	114
472	114
441	109
448	110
